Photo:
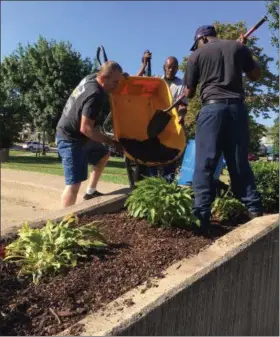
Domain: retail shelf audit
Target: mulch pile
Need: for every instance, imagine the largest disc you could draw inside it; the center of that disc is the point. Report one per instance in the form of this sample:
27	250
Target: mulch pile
137	253
149	150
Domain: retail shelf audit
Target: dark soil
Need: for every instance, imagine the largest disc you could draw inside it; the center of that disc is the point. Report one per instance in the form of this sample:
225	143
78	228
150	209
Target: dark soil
149	150
137	252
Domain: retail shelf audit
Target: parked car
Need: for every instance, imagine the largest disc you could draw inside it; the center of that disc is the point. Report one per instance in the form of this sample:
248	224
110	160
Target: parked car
252	157
273	157
35	146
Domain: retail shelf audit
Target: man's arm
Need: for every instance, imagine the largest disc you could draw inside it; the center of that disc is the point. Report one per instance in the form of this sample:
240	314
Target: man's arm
182	106
87	128
147	55
89	114
191	78
250	66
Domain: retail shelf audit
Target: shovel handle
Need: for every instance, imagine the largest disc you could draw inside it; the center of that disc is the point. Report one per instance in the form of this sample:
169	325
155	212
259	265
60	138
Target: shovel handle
257	25
178	101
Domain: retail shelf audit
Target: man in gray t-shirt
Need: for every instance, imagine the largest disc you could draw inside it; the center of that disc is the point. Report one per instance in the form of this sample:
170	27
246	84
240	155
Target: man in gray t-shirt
176	86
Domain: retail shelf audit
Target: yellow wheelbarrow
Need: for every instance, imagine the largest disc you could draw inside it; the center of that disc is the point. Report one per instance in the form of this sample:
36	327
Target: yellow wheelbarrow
134	104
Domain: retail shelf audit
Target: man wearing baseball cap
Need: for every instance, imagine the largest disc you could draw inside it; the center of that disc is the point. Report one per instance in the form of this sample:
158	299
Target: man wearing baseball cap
222	123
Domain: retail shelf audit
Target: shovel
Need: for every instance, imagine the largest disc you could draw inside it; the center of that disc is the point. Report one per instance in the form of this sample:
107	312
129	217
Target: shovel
160	119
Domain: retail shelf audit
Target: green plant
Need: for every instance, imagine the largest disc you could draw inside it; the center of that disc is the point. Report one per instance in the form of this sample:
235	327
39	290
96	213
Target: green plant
228	208
161	203
53	247
267	181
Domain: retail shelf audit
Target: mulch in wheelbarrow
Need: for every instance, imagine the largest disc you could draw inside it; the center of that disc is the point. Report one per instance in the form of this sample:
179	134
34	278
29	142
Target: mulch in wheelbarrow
137	253
149	150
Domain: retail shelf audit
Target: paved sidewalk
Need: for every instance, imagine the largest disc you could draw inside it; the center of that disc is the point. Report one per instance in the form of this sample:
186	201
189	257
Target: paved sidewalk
26	196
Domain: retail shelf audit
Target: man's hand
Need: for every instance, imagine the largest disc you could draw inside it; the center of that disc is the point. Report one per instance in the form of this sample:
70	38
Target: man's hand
181	120
117	146
182	111
146	57
242	39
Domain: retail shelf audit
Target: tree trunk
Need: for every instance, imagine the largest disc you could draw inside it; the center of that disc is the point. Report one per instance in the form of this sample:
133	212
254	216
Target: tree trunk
4	155
44	139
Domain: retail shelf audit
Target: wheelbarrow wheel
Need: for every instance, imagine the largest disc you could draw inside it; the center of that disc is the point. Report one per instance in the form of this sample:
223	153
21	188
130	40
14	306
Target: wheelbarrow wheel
135	172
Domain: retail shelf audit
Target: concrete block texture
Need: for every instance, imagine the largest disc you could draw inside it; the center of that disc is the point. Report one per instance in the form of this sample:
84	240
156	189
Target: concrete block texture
240	297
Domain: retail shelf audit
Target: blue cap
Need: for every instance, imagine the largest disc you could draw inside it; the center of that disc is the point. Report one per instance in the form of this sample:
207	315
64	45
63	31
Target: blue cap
203	31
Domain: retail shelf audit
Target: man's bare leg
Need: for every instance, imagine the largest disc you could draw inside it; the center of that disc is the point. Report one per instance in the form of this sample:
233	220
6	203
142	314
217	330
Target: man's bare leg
69	195
96	174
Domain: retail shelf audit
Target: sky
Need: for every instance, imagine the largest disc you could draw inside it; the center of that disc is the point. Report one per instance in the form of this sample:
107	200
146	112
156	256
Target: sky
126	28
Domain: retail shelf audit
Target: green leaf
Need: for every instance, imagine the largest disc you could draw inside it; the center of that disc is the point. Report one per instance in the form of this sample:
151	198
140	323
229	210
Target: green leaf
47	250
160	203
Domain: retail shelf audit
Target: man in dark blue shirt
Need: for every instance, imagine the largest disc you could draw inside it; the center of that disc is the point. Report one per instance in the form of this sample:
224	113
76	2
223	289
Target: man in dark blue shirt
222	123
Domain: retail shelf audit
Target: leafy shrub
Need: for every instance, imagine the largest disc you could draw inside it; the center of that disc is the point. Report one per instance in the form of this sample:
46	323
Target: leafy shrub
227	208
161	203
53	247
267	181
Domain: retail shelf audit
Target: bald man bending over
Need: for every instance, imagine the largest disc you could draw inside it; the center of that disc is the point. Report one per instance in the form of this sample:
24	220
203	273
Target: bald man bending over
170	68
78	142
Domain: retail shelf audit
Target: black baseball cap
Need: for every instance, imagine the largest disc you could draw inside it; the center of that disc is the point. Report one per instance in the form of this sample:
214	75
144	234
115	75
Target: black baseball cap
203	31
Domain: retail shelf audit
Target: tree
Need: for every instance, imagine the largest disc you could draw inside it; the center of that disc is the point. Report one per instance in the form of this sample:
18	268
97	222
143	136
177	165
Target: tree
273	135
44	75
256	132
12	116
272	7
261	96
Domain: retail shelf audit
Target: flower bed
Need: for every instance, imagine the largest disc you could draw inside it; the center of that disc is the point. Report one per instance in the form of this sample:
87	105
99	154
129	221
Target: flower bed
136	253
133	251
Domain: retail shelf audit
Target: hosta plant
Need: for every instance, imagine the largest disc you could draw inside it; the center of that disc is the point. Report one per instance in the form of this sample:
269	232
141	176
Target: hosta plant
227	208
53	247
161	203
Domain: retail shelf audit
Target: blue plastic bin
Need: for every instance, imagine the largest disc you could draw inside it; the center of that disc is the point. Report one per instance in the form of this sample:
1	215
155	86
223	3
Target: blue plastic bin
187	170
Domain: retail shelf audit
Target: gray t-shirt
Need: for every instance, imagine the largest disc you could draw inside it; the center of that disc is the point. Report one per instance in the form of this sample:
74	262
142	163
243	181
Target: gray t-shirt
87	99
176	87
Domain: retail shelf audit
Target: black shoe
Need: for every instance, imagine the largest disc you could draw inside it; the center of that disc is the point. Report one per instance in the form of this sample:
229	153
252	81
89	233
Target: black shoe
93	195
202	231
204	225
253	215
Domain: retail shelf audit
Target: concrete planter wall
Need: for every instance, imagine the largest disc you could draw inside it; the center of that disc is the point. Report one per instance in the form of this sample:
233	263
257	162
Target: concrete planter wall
230	288
4	155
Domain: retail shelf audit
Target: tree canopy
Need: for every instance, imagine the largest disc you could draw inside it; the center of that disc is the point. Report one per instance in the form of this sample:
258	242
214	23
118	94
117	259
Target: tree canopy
43	75
272	7
12	116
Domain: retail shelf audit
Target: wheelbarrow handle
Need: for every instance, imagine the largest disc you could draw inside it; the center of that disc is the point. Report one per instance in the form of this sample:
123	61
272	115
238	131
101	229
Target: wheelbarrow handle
99	50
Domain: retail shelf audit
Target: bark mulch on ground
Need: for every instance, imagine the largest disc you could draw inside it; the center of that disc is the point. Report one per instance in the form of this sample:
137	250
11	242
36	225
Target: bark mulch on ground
137	253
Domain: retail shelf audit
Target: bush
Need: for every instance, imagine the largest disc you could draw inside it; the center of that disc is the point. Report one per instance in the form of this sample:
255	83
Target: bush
161	203
53	247
227	208
267	181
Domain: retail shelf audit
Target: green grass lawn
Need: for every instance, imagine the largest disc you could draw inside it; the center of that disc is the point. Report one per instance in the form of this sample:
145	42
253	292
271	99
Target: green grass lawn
115	171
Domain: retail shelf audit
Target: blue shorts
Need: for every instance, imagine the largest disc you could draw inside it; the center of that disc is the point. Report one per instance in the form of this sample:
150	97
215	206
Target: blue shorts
76	156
